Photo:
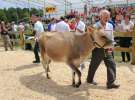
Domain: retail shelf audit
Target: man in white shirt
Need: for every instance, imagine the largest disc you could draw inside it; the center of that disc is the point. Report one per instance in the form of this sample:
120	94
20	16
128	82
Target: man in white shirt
79	27
99	54
38	29
79	31
14	27
106	30
62	26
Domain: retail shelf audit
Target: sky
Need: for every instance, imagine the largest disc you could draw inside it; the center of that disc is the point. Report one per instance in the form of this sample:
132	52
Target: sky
40	3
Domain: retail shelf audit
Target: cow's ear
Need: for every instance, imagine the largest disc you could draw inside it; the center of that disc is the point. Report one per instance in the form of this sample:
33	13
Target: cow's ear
90	29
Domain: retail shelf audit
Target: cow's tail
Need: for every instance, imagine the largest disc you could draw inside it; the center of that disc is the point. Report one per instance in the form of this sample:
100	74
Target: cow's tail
42	42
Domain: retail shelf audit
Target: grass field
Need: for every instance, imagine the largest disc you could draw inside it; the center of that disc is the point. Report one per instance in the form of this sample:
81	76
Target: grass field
20	79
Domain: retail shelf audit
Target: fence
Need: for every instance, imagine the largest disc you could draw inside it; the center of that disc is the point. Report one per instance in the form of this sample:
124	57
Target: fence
22	40
130	49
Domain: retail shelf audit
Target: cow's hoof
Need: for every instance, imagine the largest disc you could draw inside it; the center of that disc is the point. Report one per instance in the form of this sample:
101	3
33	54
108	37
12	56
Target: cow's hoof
74	85
48	77
78	85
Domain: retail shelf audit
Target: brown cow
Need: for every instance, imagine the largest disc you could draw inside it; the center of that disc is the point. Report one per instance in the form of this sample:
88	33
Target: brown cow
69	48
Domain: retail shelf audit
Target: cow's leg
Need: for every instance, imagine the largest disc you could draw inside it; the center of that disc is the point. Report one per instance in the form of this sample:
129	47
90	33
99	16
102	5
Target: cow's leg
73	78
44	66
45	62
48	69
75	69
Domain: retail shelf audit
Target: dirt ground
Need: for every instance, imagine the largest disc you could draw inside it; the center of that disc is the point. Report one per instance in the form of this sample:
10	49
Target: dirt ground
20	79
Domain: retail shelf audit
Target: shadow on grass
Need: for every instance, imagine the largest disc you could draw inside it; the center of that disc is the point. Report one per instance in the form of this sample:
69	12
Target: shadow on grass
23	67
132	97
45	86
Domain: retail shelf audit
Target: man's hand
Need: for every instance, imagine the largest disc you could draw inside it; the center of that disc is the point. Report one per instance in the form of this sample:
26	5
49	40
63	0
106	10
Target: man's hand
34	32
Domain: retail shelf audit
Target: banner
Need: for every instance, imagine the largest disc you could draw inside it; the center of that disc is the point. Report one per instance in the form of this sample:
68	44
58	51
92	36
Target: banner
50	9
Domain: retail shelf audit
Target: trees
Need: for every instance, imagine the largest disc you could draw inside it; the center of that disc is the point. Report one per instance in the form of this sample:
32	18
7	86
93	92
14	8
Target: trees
18	14
11	14
2	15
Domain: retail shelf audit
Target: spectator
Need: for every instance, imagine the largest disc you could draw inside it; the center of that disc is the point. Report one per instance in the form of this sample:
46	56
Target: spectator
80	26
21	33
127	26
79	32
5	36
62	26
52	25
72	24
38	29
14	27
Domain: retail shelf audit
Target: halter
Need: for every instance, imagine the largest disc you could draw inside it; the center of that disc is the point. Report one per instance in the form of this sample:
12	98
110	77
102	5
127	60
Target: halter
95	43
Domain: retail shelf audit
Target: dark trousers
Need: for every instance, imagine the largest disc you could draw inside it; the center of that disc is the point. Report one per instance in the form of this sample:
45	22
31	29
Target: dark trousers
36	50
126	43
7	42
123	54
99	54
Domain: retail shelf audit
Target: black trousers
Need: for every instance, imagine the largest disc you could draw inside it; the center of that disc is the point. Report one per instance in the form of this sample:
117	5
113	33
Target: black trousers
124	54
36	50
125	42
99	54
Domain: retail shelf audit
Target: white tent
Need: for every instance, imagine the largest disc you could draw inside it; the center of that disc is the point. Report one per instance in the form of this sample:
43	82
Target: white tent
61	5
116	2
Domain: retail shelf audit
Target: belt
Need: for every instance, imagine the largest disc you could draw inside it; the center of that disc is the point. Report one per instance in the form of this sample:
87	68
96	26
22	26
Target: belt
109	49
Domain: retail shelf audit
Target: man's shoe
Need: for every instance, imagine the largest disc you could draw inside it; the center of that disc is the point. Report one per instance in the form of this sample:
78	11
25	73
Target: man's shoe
116	86
36	61
92	82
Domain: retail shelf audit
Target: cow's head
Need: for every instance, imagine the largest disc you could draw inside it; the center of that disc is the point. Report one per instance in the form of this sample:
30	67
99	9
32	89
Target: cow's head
99	38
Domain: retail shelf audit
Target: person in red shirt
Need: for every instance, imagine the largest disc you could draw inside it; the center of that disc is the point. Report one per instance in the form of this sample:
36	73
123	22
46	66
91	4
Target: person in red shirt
72	24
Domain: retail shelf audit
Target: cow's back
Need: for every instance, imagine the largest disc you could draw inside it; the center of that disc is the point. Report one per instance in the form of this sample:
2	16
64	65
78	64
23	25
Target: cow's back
59	45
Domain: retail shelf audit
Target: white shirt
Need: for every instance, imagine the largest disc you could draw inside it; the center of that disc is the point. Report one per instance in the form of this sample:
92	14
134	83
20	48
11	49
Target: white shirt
38	27
126	27
21	27
80	26
108	30
62	27
53	27
14	27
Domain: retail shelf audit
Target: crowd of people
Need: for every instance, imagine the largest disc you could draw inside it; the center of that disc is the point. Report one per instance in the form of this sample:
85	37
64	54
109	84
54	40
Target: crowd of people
10	32
120	19
5	29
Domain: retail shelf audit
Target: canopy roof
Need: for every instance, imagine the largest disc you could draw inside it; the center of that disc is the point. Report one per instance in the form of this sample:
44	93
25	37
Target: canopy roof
61	5
74	3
